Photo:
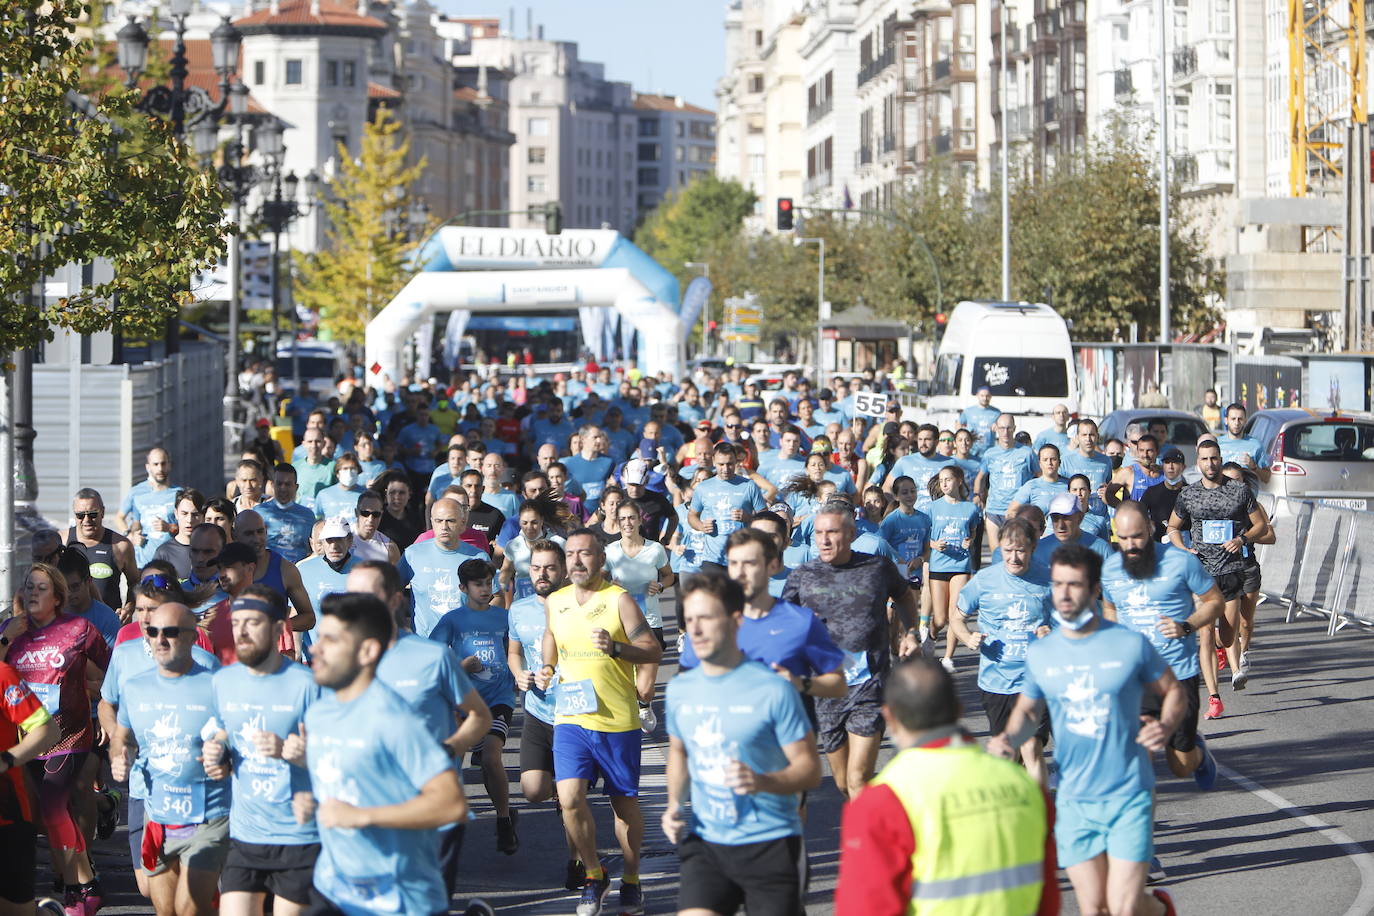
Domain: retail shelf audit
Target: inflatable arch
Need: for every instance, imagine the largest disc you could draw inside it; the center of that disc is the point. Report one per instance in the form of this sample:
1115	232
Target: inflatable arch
508	271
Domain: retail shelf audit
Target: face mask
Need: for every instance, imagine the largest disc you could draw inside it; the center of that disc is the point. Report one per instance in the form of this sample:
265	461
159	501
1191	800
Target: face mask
1084	618
1116	461
348	477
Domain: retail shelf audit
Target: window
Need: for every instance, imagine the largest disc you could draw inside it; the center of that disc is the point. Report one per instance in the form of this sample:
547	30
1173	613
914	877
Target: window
536	184
1352	441
681	178
758	38
259	72
349	73
756	83
648	177
946	380
681	128
294	73
648	127
650	152
536	155
680	153
1022	376
538	127
1221	113
1221	16
331	73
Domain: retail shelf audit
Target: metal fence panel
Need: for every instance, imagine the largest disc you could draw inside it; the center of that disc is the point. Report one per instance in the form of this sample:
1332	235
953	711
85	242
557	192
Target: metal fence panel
1325	550
1280	561
1355	596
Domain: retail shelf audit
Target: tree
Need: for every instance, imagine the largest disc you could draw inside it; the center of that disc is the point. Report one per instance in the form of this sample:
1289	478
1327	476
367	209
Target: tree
87	176
364	261
692	220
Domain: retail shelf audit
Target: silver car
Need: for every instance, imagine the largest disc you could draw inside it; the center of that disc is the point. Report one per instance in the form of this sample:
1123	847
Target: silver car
1182	429
1328	458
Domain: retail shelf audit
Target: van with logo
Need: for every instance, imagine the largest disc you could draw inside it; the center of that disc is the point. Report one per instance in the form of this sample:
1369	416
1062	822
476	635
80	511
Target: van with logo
1019	350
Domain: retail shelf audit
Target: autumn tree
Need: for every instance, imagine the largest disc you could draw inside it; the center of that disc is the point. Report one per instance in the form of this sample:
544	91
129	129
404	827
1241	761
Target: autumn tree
85	176
364	261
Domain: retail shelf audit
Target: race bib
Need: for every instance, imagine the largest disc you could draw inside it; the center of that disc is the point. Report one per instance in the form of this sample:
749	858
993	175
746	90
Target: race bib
174	804
910	549
576	698
727	526
1217	531
484	648
523	587
50	695
856	668
267	779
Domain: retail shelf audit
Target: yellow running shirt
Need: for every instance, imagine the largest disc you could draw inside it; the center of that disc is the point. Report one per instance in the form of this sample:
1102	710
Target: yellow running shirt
587	677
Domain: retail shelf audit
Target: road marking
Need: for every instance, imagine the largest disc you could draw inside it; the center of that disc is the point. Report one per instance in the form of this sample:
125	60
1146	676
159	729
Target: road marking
1363	861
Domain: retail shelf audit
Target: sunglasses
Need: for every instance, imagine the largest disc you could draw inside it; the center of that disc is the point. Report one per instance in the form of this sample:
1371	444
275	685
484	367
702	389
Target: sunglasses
732	426
155	581
369	513
86	516
170	632
946	439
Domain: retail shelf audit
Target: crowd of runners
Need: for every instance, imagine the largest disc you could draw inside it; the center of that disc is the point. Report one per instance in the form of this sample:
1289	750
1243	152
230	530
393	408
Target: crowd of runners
288	688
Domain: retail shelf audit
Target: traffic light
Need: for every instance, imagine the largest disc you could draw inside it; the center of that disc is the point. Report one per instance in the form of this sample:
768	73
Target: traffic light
785	214
553	218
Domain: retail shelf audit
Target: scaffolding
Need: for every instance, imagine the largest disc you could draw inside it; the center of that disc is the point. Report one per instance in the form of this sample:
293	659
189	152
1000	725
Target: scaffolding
1326	90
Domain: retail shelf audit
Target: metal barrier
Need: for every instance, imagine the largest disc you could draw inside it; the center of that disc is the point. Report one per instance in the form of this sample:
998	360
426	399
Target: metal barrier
1321	564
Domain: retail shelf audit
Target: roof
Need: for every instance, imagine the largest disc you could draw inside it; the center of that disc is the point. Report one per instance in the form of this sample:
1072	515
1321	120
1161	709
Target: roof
855	320
320	14
647	101
200	66
378	91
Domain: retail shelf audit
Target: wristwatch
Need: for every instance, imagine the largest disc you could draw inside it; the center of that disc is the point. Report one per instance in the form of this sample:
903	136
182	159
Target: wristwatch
806	683
8	758
615	649
1187	628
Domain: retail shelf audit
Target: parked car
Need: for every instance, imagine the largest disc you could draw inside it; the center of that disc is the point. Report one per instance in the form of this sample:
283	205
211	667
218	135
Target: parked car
1328	458
1184	428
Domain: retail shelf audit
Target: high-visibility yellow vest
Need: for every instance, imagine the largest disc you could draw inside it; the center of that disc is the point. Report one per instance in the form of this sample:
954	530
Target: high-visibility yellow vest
979	823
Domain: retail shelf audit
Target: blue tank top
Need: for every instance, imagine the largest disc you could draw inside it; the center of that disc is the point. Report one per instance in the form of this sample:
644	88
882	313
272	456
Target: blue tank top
1141	482
272	579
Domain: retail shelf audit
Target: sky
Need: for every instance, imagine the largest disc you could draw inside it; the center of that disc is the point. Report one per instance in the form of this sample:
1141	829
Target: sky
676	47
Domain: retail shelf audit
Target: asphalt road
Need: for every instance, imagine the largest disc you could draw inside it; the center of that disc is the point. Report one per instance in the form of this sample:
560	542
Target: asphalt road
1289	827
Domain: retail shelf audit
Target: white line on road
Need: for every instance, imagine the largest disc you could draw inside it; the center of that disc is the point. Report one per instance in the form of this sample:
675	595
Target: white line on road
1363	861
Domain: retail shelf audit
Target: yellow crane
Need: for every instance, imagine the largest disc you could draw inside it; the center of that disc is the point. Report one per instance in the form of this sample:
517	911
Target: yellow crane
1326	48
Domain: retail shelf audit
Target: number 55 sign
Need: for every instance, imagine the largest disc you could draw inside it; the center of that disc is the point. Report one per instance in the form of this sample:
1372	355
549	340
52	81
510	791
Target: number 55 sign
870	404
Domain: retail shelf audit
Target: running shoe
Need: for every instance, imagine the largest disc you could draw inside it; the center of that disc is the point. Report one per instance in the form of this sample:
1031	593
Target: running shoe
1221	658
647	720
92	900
593	896
107	819
1163	897
74	903
631	899
1214	708
50	907
507	840
947	664
576	876
927	644
1239	678
1245	659
1206	773
1156	873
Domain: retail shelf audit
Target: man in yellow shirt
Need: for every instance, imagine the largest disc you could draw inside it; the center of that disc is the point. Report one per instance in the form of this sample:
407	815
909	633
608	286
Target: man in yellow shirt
595	636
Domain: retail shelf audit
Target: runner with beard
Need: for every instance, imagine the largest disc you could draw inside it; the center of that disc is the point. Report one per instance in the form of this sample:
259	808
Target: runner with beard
528	622
261	703
596	635
1165	593
1223	520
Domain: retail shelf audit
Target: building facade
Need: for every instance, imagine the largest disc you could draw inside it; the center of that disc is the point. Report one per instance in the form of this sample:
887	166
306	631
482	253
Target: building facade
675	143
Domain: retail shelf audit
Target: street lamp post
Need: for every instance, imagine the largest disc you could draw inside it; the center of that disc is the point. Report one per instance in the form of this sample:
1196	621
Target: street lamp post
1006	159
278	212
1164	329
706	306
822	308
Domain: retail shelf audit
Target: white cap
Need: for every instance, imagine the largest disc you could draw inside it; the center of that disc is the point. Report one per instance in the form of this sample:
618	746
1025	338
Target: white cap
336	527
636	471
1065	504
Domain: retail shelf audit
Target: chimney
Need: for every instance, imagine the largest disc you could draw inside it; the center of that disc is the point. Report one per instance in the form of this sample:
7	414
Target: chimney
678	100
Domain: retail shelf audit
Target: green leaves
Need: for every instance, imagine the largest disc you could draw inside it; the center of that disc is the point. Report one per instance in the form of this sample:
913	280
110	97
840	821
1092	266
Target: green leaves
363	263
99	182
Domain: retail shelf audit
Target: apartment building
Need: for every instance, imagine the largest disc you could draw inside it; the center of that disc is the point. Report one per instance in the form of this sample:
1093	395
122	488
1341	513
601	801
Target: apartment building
676	143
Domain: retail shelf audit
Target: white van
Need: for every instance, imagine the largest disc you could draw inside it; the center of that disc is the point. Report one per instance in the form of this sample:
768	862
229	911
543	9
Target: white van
321	364
1019	350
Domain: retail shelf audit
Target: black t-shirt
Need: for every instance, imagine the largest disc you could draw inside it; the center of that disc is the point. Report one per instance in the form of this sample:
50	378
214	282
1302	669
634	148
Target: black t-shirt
403	531
1216	515
657	512
487	519
851	598
1159	502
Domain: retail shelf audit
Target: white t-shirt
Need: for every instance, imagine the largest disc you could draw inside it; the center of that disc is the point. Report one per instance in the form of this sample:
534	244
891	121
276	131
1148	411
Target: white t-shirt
375	548
634	573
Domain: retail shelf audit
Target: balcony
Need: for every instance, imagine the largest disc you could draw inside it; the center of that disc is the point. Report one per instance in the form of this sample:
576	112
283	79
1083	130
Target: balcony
1185	61
877	65
1124	86
815	114
817	183
911	85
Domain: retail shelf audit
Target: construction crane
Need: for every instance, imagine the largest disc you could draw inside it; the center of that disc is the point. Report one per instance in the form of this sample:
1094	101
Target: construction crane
1326	47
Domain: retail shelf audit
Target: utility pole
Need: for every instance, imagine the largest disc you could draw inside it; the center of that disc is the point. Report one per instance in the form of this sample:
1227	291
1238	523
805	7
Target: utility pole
1165	334
1006	158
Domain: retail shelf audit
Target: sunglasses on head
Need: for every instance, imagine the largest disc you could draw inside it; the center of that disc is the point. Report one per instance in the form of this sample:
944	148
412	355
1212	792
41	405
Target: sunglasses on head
155	581
170	632
84	516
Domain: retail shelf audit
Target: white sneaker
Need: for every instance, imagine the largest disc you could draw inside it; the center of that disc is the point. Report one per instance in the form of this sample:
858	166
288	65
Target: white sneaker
947	664
647	720
1239	678
1245	660
927	644
681	641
